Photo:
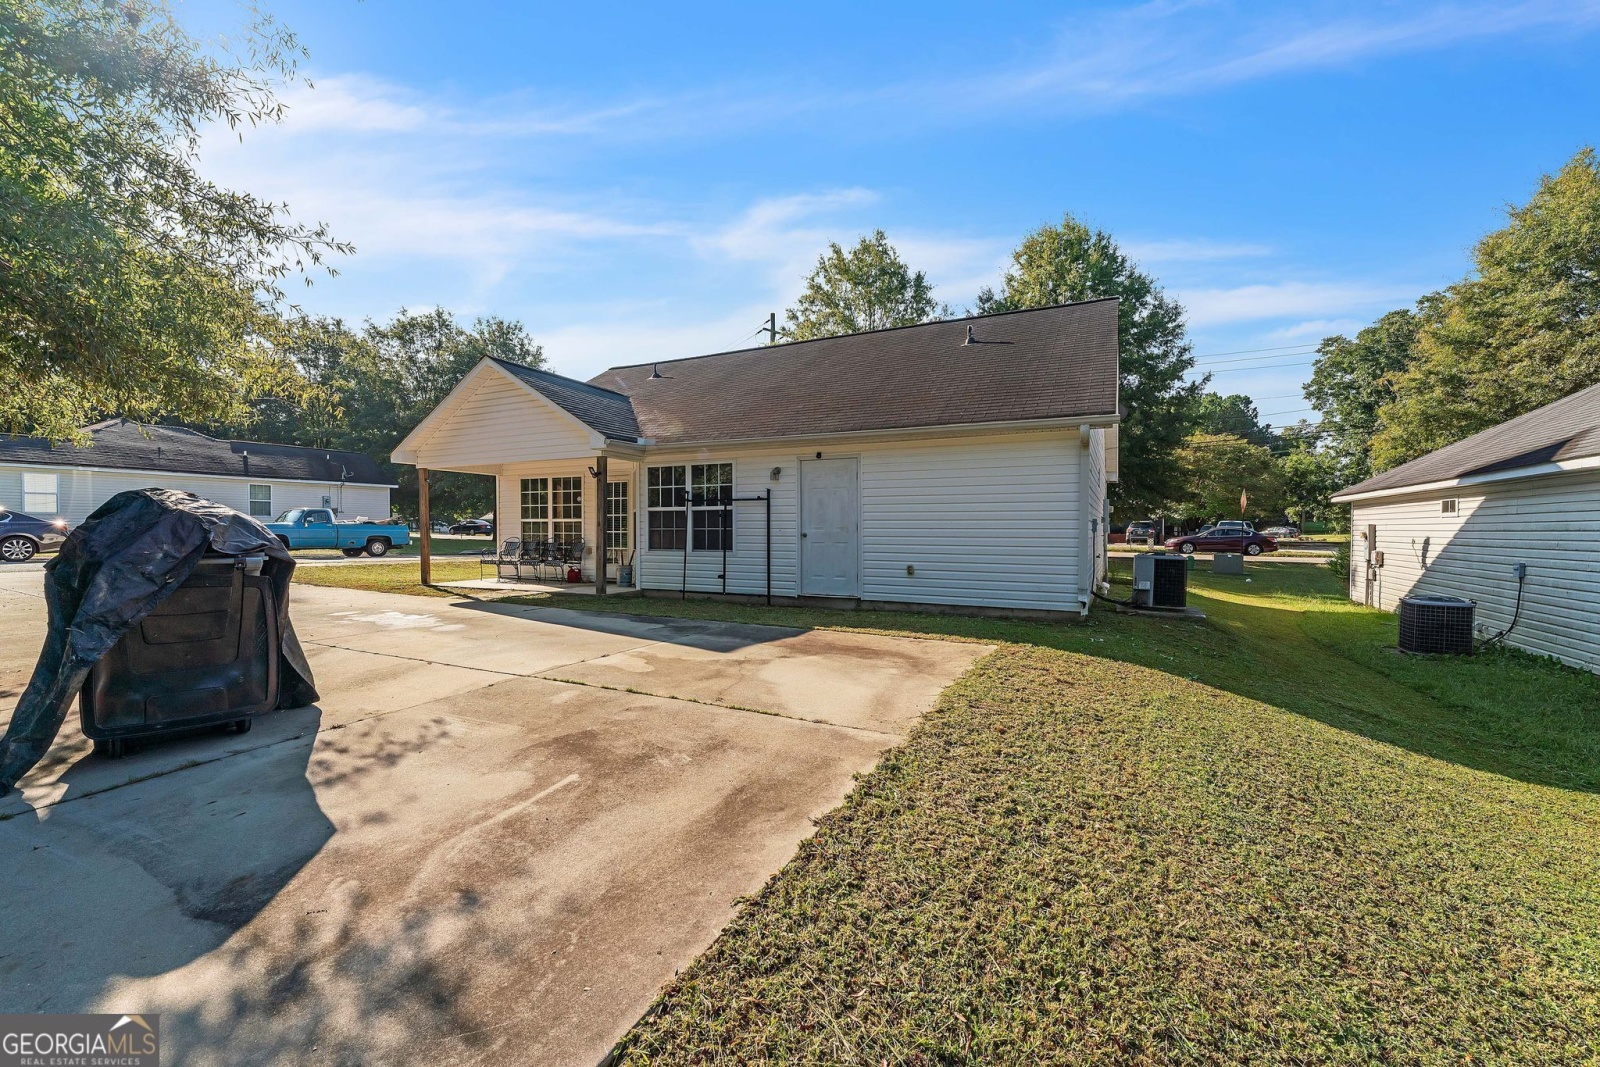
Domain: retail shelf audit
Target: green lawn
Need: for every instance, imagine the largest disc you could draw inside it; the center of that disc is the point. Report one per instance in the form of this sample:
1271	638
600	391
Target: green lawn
402	576
1261	838
443	545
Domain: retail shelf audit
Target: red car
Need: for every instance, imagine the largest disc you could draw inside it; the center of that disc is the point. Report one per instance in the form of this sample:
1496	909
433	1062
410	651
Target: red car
1217	539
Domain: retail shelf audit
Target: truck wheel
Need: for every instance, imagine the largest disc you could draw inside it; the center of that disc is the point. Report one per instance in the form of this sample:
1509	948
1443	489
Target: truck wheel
285	542
17	549
378	546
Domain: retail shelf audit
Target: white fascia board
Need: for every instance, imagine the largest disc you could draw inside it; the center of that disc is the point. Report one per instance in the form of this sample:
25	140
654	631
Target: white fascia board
1558	467
257	479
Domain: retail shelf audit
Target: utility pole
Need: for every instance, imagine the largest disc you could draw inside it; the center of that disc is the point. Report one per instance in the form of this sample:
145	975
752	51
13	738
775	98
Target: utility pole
771	328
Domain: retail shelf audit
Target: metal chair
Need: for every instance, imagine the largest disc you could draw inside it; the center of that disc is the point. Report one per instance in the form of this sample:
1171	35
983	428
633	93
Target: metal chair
568	554
505	556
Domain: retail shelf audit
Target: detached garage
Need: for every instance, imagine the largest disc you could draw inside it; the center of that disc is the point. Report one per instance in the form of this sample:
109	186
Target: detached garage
953	463
1509	518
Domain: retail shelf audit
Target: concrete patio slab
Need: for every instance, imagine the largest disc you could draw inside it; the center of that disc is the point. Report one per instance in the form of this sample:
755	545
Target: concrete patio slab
448	858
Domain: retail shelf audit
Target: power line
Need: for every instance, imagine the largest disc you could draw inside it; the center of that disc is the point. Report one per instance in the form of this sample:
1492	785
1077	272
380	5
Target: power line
1275	366
1247	351
1259	359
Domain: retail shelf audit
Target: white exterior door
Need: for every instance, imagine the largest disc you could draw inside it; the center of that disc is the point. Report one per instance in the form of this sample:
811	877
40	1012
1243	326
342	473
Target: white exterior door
830	528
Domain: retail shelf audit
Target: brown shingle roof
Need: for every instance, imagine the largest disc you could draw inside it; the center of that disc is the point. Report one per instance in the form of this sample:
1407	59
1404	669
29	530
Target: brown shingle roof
1568	429
1046	363
119	444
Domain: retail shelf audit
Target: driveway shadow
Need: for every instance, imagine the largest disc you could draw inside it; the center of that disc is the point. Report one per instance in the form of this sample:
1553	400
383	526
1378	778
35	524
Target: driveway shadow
115	879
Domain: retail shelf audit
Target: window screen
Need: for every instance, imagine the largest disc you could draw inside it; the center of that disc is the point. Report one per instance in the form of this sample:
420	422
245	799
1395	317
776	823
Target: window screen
261	501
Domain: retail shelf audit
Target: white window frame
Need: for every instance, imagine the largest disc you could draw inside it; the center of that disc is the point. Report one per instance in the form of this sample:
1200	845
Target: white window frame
254	500
1450	506
682	489
619	517
559	507
44	503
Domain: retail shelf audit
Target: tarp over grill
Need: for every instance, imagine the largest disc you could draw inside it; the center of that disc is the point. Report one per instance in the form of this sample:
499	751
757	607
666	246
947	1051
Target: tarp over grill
115	569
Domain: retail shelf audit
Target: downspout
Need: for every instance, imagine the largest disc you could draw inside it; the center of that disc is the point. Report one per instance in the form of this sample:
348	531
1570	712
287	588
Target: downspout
1085	522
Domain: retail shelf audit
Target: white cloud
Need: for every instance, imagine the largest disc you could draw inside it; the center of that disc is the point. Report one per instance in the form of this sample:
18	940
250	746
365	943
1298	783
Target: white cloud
1316	329
1249	303
1167	48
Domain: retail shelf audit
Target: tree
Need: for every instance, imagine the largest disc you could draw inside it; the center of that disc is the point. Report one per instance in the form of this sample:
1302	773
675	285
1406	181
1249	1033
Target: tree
867	288
1521	332
1235	414
1353	379
1215	469
129	283
363	392
1060	264
1309	476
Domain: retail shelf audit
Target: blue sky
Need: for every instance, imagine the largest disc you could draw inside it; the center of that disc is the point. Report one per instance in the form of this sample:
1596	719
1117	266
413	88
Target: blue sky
647	182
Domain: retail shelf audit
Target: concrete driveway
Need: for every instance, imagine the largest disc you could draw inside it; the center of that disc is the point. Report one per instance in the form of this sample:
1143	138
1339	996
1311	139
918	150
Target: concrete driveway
496	837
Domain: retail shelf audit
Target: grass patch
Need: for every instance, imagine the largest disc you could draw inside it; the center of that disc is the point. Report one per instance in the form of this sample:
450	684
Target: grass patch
1263	838
403	576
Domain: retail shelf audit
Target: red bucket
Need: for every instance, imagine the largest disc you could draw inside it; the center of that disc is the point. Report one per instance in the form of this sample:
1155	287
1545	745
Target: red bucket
574	575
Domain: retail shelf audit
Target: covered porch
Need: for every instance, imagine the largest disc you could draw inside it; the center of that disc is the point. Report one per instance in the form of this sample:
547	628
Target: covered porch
566	487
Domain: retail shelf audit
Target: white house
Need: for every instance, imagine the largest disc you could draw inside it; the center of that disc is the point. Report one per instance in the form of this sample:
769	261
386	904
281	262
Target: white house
1461	520
52	480
953	463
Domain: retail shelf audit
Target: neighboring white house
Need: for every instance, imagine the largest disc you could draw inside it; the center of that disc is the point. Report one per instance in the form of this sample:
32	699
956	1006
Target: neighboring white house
953	463
53	480
1460	520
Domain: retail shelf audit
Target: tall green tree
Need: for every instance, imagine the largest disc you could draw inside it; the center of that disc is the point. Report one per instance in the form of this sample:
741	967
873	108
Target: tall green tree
128	282
1521	332
1233	414
1060	264
365	390
1353	379
866	288
1309	473
1215	469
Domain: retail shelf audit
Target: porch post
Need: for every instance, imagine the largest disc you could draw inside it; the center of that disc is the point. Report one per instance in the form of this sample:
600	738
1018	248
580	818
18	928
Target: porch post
600	526
426	526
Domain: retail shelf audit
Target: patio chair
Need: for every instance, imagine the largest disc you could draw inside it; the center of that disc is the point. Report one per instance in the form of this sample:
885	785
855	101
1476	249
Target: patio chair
564	555
502	558
531	560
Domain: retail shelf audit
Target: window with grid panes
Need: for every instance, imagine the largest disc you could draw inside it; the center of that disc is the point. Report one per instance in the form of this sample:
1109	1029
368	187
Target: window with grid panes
566	510
617	517
711	506
666	492
535	510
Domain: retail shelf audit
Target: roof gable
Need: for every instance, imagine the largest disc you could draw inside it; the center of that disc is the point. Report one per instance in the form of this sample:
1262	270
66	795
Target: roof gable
607	413
1566	430
119	444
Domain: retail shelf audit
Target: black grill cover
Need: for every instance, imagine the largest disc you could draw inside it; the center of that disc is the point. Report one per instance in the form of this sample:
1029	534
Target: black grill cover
112	571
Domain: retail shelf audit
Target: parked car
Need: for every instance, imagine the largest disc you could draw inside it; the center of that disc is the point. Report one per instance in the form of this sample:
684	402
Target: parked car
439	526
1282	533
23	536
1140	533
316	528
1220	538
473	526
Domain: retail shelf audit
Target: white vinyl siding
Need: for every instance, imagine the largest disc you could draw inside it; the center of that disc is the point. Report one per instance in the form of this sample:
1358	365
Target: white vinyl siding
80	492
1551	523
991	521
500	421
